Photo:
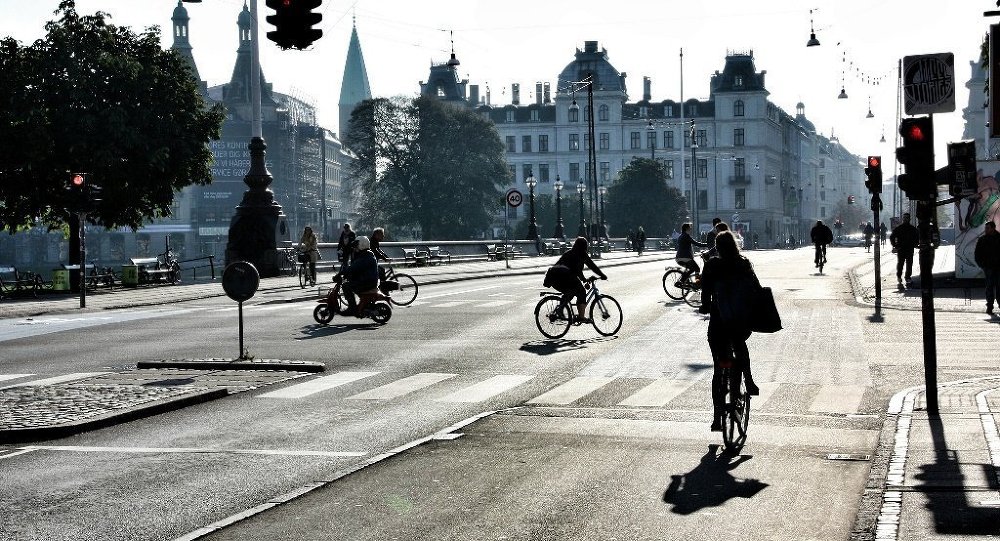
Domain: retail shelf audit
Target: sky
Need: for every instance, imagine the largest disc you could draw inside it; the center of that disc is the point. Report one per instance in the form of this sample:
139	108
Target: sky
498	44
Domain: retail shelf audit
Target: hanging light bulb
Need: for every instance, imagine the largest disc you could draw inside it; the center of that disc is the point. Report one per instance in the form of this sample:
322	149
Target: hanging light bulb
843	94
813	42
869	115
882	140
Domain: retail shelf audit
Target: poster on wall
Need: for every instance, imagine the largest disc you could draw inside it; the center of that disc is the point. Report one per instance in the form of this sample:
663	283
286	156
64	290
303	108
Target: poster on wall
970	215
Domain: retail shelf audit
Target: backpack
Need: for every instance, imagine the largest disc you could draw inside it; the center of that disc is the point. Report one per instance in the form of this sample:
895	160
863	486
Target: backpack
736	297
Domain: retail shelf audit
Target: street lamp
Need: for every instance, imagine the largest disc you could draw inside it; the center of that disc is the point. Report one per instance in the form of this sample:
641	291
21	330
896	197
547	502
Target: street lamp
588	83
532	226
580	188
694	179
651	138
601	190
560	233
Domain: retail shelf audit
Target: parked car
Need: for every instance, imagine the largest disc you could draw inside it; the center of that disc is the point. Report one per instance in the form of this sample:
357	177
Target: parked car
850	241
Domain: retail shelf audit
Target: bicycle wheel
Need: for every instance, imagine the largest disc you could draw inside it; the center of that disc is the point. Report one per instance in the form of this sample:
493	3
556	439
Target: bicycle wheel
606	315
303	275
671	284
692	296
552	317
407	291
737	413
323	313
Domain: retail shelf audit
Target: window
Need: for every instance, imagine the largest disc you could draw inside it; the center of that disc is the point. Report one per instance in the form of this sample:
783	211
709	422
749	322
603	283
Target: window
513	173
702	199
543	172
543	143
702	168
643	111
668	139
605	141
525	143
587	171
603	113
687	138
636	140
587	112
822	195
574	114
668	111
822	164
738	108
738	137
651	139
574	141
440	91
586	141
574	172
738	81
510	115
822	212
605	171
687	170
740	168
511	143
702	138
669	166
534	115
526	169
692	110
741	198
822	181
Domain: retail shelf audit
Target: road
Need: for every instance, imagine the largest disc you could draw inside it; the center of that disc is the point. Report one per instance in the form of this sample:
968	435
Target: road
594	416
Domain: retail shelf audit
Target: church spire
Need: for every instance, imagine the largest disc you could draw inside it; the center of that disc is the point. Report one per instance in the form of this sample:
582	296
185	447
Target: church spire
182	44
237	92
354	87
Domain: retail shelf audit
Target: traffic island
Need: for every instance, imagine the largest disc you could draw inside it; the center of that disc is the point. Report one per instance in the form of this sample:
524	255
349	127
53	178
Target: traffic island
235	364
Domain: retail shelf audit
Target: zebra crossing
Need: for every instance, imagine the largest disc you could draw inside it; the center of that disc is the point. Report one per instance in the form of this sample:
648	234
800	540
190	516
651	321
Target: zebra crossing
474	304
660	393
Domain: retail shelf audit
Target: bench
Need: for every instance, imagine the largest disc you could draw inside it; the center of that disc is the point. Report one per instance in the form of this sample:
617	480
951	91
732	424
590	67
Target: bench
509	251
151	269
414	257
555	248
96	276
14	283
491	252
435	253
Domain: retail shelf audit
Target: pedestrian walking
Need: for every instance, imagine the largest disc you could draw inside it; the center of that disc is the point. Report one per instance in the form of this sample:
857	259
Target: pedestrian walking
346	245
640	240
904	240
987	256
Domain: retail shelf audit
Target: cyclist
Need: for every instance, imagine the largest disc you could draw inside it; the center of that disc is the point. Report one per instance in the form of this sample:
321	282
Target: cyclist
566	276
361	273
685	254
309	245
727	342
821	235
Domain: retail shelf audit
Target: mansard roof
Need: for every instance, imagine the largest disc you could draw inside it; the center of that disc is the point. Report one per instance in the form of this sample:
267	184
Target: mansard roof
591	62
739	75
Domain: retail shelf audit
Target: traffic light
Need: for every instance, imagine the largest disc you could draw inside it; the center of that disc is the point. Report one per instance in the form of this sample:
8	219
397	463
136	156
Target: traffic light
850	200
874	174
77	185
962	168
293	21
917	156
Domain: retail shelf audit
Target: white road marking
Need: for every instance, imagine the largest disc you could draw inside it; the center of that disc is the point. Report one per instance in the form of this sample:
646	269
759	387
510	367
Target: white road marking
494	304
319	384
766	390
403	386
486	389
657	393
15	453
5	377
838	399
166	450
461	292
56	379
450	304
572	390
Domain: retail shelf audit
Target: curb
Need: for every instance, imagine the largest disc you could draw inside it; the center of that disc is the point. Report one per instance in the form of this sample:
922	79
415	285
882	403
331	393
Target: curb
156	407
233	364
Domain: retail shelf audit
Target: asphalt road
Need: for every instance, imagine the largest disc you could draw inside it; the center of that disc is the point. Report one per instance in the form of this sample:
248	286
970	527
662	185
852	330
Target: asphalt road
610	441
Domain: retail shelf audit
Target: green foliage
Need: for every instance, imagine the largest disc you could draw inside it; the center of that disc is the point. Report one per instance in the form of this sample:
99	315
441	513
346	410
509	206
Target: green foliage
640	196
96	98
426	163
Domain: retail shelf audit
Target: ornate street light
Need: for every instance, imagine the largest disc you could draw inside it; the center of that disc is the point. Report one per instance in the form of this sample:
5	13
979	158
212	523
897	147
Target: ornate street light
694	179
601	190
560	233
532	226
588	83
580	188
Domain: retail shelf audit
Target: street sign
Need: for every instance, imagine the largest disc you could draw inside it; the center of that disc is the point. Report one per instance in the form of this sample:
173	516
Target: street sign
240	281
736	217
514	197
962	163
929	83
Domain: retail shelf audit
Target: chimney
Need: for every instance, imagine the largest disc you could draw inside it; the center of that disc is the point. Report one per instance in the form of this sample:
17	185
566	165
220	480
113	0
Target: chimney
474	95
515	93
538	93
647	84
548	95
590	46
487	94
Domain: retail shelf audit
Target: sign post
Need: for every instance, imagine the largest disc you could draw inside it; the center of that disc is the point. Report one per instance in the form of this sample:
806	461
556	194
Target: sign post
240	281
514	199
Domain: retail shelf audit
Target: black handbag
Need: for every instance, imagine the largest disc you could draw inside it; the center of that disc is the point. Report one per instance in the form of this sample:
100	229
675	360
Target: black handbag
303	258
765	313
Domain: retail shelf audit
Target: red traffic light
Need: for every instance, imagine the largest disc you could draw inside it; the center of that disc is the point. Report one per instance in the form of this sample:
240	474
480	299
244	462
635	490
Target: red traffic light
77	179
914	132
874	161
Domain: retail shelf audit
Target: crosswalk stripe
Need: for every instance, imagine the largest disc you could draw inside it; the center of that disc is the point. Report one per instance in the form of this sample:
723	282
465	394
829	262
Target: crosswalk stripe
838	399
657	393
5	377
486	389
449	304
494	304
403	386
572	390
57	379
766	390
319	384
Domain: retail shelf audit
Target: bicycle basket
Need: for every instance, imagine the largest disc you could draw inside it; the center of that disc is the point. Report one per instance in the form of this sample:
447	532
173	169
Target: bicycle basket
303	258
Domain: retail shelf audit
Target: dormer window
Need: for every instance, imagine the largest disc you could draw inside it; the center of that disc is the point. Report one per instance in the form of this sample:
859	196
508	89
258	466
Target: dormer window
534	115
738	81
510	115
692	110
440	91
643	111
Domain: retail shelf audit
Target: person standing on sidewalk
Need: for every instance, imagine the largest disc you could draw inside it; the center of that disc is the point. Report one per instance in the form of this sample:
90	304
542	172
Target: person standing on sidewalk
988	258
640	240
904	239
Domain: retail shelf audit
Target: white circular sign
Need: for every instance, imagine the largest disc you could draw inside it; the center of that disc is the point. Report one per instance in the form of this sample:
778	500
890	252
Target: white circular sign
736	217
514	198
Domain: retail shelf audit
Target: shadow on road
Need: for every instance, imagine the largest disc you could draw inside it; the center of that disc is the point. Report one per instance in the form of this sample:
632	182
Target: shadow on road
320	331
548	347
947	495
710	484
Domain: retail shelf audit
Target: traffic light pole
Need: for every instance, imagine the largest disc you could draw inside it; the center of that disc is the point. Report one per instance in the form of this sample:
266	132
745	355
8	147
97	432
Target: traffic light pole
83	259
876	207
925	215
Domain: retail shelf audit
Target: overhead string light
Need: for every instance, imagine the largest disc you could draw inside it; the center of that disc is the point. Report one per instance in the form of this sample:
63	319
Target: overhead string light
813	42
843	86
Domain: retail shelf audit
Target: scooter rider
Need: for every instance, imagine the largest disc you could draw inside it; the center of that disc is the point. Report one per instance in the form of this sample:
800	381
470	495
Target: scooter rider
361	274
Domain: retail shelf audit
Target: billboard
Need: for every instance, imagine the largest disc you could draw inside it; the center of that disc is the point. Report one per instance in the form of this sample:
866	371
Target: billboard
970	215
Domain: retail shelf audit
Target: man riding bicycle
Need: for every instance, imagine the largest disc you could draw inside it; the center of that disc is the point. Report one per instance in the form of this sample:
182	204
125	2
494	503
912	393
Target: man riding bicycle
361	273
685	254
566	276
821	235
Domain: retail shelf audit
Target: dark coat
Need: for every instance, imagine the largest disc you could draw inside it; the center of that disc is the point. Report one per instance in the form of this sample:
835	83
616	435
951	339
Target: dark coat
988	252
904	237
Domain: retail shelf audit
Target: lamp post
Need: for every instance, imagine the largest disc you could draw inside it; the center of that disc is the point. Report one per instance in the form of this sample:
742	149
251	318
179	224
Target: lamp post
601	190
532	226
559	233
580	188
650	136
588	83
694	180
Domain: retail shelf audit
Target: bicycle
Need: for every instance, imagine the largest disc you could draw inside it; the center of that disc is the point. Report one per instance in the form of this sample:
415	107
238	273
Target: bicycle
820	257
684	284
553	316
735	415
403	287
306	278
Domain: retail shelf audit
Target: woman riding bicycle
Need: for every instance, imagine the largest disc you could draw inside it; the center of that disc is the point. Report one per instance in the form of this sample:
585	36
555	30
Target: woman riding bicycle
685	254
566	276
727	341
309	245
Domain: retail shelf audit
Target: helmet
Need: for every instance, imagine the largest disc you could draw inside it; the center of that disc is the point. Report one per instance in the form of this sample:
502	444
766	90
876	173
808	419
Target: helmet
364	243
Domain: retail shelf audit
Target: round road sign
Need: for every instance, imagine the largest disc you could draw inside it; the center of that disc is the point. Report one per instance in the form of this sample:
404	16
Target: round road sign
514	197
240	281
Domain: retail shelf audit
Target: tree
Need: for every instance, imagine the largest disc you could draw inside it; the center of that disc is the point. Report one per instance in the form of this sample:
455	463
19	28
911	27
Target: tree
95	98
640	196
426	163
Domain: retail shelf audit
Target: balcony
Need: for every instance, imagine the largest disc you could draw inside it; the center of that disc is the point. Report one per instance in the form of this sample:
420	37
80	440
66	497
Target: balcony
739	180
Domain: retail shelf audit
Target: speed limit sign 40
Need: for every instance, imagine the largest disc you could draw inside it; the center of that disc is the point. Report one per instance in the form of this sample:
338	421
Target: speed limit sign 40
514	197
